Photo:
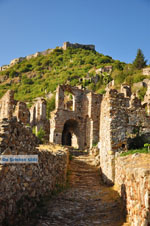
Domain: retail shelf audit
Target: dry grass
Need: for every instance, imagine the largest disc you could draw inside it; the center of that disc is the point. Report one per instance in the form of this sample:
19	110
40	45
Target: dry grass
51	147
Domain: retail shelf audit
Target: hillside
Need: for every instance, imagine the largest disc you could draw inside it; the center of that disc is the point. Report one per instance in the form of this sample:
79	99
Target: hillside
40	75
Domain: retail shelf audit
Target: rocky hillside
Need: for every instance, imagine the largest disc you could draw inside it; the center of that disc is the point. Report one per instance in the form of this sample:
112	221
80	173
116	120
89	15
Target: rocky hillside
38	76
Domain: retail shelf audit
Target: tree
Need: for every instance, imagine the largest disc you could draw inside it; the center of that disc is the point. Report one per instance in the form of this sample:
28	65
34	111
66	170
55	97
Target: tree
139	61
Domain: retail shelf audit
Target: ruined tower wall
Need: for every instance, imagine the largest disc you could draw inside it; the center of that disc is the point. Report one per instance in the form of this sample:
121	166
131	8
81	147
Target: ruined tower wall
7	105
22	113
106	157
10	107
120	117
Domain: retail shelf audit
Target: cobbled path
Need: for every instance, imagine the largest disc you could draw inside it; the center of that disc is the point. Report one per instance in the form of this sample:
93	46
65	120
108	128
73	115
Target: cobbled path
86	202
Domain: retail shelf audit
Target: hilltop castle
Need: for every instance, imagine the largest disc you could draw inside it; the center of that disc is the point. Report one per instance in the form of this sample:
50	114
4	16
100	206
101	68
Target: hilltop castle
65	46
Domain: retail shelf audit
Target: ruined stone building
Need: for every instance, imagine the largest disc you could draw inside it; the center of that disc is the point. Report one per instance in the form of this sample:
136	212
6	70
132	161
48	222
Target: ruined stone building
38	118
67	45
75	122
146	71
114	119
82	119
10	107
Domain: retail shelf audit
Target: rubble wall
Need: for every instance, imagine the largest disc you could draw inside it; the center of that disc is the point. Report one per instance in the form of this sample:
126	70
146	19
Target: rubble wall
23	185
120	118
132	180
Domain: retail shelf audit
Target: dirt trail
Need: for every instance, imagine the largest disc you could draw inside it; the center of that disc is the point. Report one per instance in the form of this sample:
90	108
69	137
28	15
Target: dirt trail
86	202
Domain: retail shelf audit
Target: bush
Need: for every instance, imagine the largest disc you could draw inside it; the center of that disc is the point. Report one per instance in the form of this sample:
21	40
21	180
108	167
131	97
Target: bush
41	134
27	81
142	92
13	74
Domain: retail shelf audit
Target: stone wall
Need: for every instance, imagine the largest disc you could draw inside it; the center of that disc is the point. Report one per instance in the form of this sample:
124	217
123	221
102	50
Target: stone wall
10	107
82	120
76	45
23	185
132	180
38	118
120	118
146	71
7	105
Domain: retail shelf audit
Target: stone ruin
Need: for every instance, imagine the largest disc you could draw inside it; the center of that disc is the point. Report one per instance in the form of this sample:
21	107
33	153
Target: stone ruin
10	107
38	117
76	122
82	119
35	116
67	45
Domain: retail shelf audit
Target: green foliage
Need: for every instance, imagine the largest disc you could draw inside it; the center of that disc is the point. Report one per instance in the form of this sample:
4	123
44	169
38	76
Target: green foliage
41	134
119	77
142	92
101	91
34	130
94	144
27	81
131	152
146	145
139	61
13	74
42	74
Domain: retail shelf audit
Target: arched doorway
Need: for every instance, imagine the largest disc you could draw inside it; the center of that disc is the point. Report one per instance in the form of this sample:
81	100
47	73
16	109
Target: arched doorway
70	133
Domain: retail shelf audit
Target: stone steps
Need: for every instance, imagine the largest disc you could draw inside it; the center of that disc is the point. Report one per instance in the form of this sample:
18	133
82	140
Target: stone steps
87	202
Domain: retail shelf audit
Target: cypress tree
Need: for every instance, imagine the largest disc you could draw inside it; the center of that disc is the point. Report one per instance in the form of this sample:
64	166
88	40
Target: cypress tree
139	61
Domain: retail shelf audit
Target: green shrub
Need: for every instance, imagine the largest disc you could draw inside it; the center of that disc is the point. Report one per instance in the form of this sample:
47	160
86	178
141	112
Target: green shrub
13	74
142	92
41	134
131	152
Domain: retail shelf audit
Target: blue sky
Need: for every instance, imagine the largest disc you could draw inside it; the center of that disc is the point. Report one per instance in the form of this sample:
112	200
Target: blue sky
116	27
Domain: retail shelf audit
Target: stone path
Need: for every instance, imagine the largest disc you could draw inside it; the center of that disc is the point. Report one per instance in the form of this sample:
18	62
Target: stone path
86	202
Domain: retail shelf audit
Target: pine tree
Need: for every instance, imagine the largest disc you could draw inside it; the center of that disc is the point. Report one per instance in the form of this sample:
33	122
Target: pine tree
139	61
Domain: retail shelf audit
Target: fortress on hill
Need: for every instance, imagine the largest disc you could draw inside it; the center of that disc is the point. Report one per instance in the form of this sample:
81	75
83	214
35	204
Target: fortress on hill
65	46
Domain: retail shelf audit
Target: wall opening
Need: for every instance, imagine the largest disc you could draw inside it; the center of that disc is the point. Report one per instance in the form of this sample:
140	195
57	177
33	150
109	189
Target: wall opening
70	134
69	101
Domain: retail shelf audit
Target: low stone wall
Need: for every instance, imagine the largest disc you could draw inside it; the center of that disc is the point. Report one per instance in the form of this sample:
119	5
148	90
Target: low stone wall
132	179
23	185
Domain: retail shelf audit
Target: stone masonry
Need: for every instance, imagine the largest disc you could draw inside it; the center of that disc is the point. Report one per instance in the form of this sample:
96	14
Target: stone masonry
121	118
81	119
133	183
23	185
79	125
76	45
38	117
10	107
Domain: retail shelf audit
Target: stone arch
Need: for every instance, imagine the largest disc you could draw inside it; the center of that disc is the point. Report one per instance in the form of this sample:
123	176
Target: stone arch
71	133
